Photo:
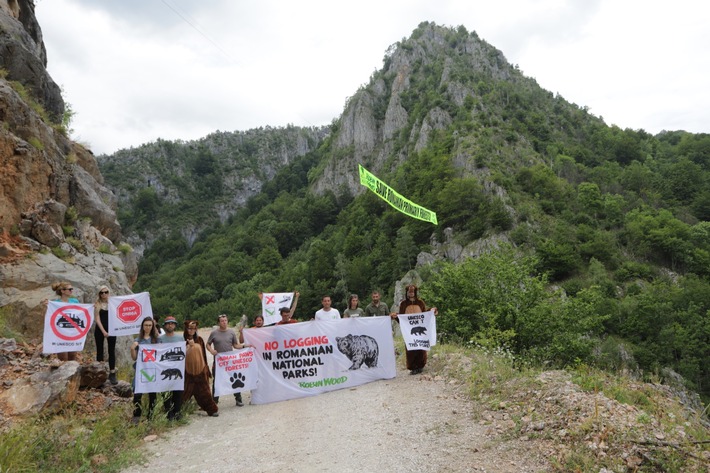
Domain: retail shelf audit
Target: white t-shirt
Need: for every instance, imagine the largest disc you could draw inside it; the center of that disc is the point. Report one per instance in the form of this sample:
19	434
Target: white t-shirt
328	315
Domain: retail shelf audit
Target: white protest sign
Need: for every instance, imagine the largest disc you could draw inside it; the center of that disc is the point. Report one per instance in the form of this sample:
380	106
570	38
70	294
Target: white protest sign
418	330
65	326
126	313
235	371
309	358
160	367
271	303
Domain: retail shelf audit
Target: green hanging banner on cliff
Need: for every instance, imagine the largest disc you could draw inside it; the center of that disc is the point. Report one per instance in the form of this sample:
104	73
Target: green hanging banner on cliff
388	194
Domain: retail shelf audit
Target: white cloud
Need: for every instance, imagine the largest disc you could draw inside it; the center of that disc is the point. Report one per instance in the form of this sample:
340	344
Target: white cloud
135	71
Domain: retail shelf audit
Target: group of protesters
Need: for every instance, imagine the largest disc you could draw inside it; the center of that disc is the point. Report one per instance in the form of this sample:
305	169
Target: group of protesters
222	339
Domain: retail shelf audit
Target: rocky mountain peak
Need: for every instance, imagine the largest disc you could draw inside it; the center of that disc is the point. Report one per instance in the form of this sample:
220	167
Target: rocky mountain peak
379	119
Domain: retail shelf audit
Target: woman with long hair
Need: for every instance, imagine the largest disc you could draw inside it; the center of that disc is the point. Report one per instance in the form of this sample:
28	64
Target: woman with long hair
353	309
101	333
147	335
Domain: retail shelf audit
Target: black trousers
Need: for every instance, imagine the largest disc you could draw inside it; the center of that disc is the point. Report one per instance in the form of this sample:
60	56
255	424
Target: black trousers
99	336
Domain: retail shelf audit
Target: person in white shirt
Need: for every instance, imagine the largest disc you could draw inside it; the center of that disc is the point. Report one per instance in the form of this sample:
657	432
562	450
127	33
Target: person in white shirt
327	312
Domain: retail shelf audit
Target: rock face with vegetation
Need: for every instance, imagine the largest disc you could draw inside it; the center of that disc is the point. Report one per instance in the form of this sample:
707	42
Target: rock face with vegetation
185	187
57	219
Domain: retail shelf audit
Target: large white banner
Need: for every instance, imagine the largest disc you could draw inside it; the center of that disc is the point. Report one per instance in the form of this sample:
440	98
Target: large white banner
309	358
160	367
125	313
271	303
418	330
65	326
235	371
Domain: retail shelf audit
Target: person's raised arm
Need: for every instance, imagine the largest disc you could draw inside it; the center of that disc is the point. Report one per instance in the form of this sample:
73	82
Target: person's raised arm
295	303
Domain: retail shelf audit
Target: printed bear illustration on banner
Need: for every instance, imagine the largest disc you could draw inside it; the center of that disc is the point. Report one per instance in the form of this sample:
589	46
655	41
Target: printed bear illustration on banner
360	349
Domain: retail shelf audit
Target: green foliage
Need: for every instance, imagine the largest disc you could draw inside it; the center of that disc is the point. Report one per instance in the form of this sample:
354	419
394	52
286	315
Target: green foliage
71	216
125	248
70	442
36	143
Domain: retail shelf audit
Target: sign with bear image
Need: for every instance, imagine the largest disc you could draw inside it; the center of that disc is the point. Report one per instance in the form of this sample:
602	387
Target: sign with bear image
160	367
418	330
235	371
309	358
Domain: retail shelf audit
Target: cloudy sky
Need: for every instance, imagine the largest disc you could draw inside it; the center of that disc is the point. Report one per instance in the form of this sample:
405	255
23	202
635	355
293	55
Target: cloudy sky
138	70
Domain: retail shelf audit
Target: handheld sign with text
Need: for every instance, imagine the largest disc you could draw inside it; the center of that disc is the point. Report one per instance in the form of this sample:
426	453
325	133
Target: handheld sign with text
235	371
125	313
305	359
66	326
418	330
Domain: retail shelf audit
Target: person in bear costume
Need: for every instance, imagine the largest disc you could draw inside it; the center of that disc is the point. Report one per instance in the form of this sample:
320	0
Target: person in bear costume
412	304
197	372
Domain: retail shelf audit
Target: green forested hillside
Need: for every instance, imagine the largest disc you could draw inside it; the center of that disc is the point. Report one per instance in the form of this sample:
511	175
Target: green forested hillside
182	187
601	236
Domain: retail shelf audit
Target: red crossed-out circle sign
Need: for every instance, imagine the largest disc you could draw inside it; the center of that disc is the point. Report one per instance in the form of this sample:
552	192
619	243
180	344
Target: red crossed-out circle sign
129	311
70	314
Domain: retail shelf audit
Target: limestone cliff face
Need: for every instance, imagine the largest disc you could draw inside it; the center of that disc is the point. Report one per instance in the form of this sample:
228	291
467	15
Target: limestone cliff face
24	57
378	128
57	220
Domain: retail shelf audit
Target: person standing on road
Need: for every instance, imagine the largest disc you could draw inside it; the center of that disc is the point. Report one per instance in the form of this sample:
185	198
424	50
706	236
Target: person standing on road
223	340
148	334
376	307
353	309
327	312
197	374
173	400
101	333
412	304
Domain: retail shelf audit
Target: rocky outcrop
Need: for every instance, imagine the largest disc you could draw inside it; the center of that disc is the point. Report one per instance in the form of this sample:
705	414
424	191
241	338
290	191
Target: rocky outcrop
370	130
23	55
46	391
57	220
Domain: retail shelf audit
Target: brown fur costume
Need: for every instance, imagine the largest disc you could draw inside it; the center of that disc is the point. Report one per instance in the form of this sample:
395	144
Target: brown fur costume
198	384
416	359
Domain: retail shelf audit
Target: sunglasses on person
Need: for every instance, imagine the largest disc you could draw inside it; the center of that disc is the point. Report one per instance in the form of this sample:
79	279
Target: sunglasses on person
103	292
68	289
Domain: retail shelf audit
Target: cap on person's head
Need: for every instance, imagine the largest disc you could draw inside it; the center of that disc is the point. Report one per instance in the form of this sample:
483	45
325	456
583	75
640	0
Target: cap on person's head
169	320
284	309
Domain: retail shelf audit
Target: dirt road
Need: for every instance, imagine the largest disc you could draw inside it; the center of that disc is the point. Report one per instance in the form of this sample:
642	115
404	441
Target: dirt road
409	423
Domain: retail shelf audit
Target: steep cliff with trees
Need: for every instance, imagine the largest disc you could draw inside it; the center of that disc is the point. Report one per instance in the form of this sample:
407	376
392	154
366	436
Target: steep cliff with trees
182	188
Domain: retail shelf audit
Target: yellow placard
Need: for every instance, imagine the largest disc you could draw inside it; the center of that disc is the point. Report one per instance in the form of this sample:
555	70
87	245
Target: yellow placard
389	195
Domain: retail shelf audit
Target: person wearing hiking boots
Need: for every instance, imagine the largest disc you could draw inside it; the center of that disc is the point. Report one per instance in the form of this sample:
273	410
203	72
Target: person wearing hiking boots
101	333
222	340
